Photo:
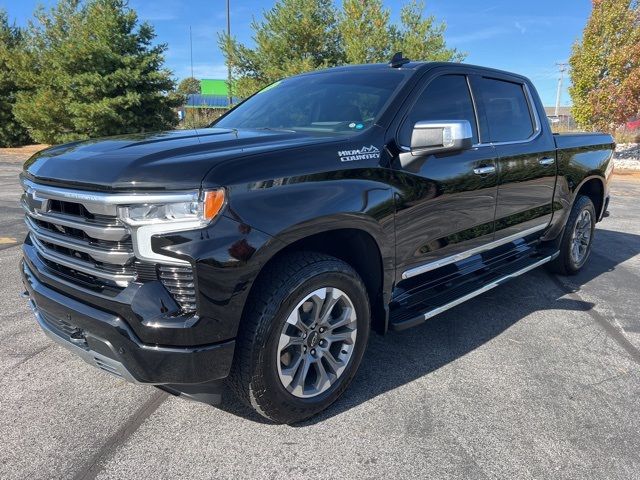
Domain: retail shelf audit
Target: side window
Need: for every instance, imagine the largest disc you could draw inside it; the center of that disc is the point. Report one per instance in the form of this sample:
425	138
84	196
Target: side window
445	98
507	110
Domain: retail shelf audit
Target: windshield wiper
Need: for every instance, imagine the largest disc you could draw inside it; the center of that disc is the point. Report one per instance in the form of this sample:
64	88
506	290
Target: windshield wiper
276	129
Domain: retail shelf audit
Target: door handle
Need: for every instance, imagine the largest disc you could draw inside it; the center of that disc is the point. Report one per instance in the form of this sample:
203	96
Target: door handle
484	170
546	161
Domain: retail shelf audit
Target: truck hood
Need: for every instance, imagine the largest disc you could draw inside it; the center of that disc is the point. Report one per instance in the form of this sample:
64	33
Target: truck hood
173	160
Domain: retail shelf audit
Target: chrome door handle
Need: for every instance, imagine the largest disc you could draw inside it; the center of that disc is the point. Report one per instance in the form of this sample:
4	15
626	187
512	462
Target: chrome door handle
546	161
484	170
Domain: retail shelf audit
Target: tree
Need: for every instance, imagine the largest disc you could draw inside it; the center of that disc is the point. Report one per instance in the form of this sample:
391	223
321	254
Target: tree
364	25
421	38
605	66
93	71
301	35
295	36
189	86
11	132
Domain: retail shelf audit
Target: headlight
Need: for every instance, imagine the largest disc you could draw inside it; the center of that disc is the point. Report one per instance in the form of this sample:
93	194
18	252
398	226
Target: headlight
145	220
195	213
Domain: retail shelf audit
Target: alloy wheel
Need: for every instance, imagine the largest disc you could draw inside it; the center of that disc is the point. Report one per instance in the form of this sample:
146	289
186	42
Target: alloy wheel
581	237
317	342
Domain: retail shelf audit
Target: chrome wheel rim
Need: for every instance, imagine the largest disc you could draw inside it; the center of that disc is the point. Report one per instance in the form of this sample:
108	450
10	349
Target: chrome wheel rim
317	342
581	237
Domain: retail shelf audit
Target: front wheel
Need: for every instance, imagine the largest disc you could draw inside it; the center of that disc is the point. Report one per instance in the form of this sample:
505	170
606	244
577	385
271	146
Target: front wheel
303	337
577	238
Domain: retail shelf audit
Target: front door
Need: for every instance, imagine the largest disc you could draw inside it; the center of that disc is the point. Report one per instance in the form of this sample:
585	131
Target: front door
447	206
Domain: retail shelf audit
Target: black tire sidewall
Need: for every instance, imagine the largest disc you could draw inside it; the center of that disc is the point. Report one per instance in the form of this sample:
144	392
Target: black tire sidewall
582	203
267	363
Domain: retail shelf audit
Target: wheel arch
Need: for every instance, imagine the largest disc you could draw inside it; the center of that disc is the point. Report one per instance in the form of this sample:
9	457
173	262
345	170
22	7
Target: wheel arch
357	246
593	186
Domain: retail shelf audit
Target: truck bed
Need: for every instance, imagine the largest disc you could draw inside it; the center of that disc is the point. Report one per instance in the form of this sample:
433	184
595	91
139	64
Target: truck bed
582	140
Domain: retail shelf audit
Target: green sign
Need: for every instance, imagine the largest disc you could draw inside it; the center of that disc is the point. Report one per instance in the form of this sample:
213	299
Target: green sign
213	87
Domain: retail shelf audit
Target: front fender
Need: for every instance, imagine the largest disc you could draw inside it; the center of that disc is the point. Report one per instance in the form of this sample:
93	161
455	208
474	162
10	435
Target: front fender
293	208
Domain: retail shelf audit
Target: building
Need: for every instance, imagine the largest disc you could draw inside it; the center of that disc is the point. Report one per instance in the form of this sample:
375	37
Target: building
214	94
564	121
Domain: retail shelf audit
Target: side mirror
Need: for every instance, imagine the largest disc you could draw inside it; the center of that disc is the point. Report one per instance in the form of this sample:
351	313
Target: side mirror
440	136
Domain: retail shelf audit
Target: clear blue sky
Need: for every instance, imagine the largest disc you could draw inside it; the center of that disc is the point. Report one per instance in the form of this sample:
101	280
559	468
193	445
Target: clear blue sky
524	37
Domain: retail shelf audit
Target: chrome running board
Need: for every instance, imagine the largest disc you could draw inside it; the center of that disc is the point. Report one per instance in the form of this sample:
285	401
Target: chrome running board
420	318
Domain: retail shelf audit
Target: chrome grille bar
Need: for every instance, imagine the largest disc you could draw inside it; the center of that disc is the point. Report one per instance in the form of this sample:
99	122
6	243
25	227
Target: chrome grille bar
122	280
106	255
102	203
93	230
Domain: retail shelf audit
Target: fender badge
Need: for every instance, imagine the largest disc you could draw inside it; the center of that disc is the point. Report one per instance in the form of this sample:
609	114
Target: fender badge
364	153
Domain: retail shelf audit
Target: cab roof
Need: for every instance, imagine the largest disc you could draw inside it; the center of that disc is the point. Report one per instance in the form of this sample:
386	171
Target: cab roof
412	66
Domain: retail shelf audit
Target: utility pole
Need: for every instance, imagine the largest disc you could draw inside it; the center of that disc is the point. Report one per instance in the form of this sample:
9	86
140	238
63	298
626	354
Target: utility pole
562	67
191	49
230	98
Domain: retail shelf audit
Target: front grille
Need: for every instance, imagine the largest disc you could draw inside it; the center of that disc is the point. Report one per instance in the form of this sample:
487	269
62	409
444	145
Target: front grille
84	242
68	237
181	285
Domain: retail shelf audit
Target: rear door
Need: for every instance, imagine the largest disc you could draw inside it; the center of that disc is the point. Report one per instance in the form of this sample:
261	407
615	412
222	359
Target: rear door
526	154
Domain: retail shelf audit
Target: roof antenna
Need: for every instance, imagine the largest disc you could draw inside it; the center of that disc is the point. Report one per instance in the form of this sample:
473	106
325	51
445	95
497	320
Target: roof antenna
398	60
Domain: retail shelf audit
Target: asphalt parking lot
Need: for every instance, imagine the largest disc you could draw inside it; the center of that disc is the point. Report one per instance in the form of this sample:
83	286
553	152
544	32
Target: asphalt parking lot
538	378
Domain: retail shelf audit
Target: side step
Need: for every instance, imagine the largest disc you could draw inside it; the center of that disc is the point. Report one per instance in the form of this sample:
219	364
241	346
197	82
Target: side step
402	320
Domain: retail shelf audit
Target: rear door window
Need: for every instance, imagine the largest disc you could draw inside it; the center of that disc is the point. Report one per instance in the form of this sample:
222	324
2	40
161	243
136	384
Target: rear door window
506	109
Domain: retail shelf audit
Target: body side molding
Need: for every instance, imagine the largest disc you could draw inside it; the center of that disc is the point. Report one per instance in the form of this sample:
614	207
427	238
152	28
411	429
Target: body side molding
427	267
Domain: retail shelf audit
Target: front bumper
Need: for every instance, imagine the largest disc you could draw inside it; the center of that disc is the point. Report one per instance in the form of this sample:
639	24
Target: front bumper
106	341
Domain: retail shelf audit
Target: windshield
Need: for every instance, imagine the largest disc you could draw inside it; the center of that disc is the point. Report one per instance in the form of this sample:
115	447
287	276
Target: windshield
335	102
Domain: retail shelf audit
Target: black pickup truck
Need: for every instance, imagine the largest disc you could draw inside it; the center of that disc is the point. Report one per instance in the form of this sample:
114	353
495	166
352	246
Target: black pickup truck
260	252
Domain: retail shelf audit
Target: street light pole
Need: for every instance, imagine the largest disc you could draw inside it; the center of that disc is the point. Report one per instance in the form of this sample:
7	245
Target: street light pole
229	99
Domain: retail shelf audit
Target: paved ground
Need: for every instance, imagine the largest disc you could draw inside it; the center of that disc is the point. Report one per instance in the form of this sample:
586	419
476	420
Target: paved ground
536	379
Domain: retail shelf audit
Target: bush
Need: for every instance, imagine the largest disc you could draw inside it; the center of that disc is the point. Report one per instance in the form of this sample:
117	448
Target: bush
625	135
200	117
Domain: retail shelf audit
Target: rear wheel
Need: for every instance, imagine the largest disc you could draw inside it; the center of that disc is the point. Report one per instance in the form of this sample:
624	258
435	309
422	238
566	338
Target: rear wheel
303	338
575	246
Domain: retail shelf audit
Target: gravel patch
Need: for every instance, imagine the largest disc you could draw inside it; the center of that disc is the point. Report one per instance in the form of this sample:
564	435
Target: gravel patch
627	156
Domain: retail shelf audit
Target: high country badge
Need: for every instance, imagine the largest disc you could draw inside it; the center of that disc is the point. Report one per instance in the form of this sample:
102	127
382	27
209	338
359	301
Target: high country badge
364	153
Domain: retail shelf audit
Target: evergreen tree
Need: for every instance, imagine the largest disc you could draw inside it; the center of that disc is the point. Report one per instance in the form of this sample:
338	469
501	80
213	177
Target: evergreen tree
364	25
421	38
11	132
605	66
92	71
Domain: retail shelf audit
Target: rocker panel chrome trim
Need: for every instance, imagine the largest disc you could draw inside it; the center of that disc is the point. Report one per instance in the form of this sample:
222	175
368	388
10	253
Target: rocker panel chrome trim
427	267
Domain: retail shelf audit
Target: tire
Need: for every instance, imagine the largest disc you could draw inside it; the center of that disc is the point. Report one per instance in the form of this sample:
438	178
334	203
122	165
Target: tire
567	263
281	310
